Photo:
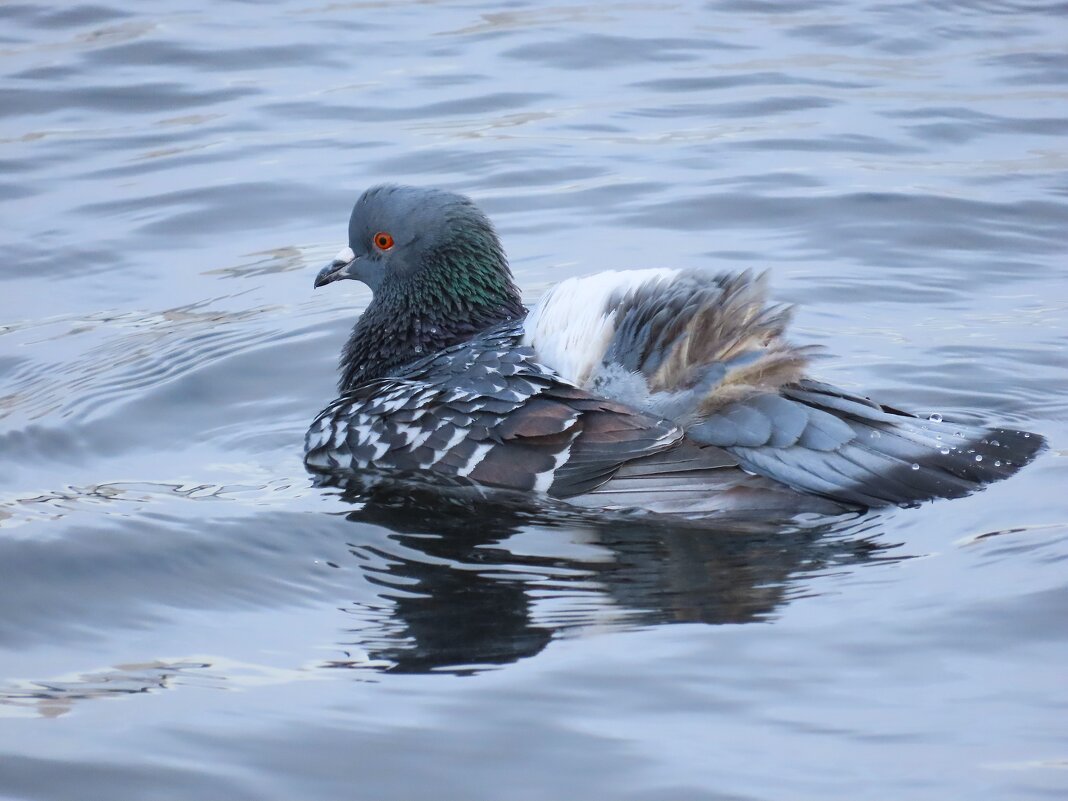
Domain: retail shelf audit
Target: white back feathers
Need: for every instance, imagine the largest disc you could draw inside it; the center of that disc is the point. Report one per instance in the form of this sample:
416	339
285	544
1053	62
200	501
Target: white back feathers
573	323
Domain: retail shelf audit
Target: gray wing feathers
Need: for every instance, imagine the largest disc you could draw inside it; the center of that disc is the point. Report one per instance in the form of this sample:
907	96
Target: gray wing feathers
773	421
856	451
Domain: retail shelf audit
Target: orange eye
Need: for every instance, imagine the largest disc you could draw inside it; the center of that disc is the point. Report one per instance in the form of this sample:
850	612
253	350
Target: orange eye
383	241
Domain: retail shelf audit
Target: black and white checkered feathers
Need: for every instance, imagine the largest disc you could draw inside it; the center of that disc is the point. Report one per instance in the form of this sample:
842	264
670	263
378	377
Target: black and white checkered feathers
486	410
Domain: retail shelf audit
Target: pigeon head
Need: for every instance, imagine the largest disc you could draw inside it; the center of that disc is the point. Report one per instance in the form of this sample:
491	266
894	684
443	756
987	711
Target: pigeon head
401	234
437	272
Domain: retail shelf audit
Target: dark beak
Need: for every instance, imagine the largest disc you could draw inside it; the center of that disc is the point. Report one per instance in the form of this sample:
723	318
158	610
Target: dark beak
340	267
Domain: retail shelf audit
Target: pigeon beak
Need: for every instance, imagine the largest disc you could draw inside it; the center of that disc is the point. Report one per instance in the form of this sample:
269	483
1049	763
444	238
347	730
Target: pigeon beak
340	267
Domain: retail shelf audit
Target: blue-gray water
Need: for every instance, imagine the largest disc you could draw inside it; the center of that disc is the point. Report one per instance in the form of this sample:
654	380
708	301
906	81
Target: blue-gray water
182	616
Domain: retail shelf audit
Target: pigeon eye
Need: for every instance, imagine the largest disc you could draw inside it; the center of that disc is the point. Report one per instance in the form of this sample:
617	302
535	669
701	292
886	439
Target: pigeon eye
383	241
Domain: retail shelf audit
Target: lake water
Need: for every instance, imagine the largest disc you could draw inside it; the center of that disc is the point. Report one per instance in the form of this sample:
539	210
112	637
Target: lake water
183	616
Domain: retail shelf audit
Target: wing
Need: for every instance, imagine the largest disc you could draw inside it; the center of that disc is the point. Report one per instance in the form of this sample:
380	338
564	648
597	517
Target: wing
693	479
489	412
710	353
819	439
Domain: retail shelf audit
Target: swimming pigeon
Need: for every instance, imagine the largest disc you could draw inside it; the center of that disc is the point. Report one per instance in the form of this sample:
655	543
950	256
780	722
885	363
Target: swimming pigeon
664	389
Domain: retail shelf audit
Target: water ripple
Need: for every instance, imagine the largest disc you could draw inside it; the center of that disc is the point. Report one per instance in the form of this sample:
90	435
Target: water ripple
173	175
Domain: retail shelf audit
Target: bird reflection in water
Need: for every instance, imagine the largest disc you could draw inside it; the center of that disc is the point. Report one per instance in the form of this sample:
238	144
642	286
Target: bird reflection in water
468	584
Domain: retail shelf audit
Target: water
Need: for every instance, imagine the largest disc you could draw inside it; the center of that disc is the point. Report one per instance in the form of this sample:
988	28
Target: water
183	616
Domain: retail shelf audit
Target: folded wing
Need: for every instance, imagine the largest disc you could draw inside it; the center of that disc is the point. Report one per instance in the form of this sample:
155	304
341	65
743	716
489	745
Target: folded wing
488	411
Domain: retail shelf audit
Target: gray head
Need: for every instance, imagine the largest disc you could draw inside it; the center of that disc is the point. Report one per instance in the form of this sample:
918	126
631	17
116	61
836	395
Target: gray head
437	271
398	232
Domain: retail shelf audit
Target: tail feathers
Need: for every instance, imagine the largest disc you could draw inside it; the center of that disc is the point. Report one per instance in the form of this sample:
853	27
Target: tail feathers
874	455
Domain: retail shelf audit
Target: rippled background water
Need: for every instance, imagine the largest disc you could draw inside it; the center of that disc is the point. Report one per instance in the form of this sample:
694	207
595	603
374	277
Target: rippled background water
183	616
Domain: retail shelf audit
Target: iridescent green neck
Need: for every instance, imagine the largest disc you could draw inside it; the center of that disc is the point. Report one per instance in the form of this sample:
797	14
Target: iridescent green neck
461	290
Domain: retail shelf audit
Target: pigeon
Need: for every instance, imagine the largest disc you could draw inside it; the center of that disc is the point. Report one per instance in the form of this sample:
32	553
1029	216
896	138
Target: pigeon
669	390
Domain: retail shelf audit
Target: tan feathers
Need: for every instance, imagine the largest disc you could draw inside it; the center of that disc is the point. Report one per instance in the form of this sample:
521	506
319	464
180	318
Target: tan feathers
733	327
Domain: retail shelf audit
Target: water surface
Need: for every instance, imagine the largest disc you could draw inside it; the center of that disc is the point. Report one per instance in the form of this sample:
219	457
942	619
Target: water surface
183	616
